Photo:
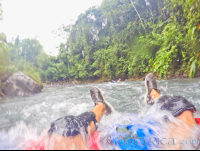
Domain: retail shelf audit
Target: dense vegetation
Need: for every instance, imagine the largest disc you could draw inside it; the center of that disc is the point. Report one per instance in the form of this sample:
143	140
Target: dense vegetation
110	41
125	39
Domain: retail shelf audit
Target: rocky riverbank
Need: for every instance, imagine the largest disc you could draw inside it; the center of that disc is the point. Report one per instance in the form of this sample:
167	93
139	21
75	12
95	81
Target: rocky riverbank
72	82
21	85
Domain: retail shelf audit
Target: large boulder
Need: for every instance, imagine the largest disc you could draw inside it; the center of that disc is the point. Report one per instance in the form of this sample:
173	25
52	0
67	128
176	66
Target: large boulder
20	84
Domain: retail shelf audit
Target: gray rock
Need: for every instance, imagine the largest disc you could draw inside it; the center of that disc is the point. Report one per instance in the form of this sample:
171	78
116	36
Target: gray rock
20	84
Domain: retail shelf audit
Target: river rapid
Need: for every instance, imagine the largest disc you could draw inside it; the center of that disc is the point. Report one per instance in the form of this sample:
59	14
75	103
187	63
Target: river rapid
29	117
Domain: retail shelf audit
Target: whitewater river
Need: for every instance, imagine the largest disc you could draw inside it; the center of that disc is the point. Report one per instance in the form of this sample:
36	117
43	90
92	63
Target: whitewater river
29	117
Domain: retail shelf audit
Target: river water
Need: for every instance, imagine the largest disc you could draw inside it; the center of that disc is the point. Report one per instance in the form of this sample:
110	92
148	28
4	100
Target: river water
29	117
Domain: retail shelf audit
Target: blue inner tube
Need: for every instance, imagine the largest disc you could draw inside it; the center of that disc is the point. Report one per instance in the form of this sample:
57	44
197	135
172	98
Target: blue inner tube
114	81
133	137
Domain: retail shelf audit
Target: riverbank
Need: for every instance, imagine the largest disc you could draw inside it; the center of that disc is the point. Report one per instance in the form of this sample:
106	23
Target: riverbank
73	82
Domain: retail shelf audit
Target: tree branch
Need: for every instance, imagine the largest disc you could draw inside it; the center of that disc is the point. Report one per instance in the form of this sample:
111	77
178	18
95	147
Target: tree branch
138	15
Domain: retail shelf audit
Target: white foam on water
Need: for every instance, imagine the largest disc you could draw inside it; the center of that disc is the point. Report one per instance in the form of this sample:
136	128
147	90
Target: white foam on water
18	137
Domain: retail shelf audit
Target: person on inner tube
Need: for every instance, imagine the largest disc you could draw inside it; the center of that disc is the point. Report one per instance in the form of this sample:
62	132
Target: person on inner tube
114	81
179	107
119	80
71	132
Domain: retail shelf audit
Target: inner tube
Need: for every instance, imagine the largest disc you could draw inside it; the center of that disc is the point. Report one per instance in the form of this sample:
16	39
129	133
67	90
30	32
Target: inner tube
198	121
95	142
114	81
124	131
132	137
38	144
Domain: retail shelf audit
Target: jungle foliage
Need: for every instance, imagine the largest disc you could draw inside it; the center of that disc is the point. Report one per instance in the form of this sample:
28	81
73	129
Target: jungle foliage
110	41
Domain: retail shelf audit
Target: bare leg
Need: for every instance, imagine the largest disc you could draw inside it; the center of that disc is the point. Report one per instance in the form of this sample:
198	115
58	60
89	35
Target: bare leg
99	111
58	142
178	132
186	116
154	94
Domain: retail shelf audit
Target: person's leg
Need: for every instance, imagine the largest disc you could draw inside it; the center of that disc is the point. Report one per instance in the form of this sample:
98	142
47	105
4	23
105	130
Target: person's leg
99	111
180	133
58	142
186	116
178	106
154	94
151	89
65	133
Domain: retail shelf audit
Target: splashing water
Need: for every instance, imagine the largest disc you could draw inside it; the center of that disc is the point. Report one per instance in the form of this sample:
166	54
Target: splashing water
25	121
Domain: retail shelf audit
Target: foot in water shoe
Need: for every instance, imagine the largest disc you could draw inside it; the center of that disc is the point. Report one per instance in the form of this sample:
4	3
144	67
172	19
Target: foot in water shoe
150	83
97	97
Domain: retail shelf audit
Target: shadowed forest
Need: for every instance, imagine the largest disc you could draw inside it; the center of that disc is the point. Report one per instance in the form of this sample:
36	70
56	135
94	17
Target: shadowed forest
119	39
